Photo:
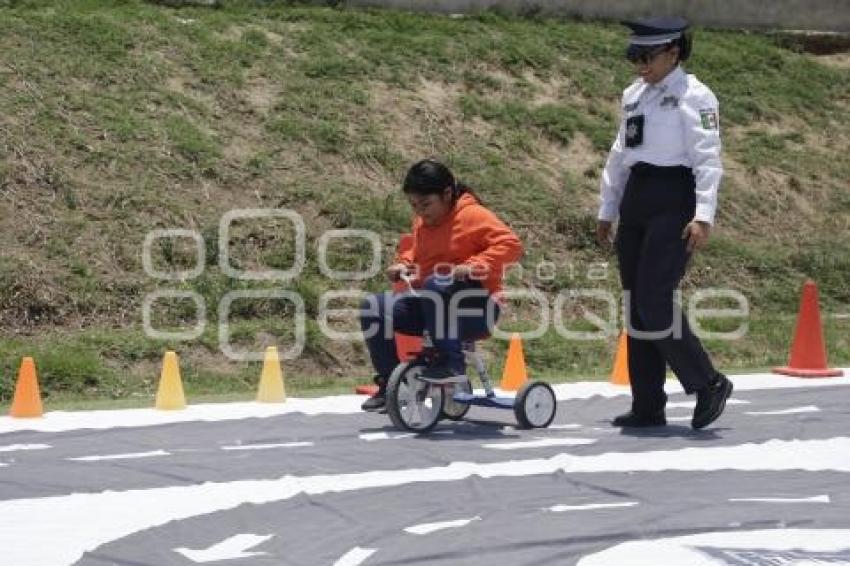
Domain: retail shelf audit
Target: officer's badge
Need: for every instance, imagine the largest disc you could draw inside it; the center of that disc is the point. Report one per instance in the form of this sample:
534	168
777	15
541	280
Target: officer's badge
671	101
709	118
634	131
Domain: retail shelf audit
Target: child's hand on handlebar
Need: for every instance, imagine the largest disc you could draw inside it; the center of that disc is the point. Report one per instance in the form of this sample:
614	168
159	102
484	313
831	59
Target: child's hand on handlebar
462	272
395	271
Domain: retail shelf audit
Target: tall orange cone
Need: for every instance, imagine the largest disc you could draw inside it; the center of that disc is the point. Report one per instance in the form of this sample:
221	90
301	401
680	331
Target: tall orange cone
620	372
27	401
271	388
169	396
515	373
808	352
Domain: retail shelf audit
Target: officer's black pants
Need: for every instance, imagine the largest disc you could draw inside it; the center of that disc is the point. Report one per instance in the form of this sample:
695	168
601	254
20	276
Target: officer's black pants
657	205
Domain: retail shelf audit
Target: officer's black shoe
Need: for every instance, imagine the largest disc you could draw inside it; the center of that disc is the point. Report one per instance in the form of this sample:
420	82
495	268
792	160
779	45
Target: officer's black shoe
711	401
638	420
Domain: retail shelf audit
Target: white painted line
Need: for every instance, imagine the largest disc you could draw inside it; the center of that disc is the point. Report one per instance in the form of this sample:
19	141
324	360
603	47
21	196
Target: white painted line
428	528
815	499
266	446
16	447
564	426
373	436
99	518
540	443
58	421
679	419
355	556
132	456
228	549
589	507
794	411
746	382
770	546
692	404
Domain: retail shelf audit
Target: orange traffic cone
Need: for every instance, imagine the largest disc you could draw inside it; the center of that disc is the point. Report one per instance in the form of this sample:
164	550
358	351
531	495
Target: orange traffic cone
808	352
620	372
366	389
27	401
515	373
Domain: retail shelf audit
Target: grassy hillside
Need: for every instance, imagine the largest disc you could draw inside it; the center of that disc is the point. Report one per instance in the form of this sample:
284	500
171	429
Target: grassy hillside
118	118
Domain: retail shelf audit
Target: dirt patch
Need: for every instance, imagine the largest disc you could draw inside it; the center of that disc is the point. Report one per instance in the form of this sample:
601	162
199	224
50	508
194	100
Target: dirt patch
553	91
576	161
838	60
260	93
182	83
422	121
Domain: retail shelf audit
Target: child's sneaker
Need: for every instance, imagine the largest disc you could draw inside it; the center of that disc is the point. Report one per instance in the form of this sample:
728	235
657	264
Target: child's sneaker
377	401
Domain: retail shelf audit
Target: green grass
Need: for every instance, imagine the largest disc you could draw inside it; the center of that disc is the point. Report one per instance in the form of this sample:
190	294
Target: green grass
123	117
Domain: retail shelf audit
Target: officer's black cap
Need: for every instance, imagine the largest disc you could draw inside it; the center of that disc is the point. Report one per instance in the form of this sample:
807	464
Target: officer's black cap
656	31
648	34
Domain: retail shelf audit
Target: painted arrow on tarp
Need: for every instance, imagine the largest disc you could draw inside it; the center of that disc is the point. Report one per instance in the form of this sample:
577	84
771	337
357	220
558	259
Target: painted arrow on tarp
232	548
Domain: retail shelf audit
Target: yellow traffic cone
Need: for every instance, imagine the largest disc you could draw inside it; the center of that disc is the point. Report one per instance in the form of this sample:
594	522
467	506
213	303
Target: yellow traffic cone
271	388
620	373
170	396
515	373
27	400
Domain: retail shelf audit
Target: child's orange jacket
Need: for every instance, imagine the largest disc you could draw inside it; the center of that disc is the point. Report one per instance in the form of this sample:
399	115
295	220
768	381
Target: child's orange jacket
470	234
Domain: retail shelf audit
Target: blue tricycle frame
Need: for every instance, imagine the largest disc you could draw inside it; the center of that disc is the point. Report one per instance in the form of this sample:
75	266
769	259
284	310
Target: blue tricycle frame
417	403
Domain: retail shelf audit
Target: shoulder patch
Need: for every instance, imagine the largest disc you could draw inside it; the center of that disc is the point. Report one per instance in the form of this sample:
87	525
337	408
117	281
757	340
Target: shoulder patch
631	107
708	116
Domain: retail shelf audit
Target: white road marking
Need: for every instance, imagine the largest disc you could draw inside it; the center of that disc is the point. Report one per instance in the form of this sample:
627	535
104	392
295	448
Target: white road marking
691	404
815	499
266	446
355	556
228	549
16	447
564	426
679	419
373	436
99	518
132	456
427	528
690	549
792	411
539	443
57	421
589	506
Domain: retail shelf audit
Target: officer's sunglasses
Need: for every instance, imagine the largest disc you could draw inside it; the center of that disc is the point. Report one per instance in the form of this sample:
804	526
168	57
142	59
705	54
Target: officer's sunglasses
644	55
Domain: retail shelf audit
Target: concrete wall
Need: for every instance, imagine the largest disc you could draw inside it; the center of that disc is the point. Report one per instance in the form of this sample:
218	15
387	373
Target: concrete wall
817	15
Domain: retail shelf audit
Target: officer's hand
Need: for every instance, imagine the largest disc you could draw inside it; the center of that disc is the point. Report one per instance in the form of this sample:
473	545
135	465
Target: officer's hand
394	271
696	233
603	233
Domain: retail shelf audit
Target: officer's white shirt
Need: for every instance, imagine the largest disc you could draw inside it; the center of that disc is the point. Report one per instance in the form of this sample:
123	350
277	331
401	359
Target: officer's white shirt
681	127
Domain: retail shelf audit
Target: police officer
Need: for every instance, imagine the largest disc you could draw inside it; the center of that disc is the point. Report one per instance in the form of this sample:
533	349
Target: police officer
661	178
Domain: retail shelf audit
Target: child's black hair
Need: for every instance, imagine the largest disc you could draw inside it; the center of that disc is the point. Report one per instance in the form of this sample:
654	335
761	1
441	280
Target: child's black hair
429	177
